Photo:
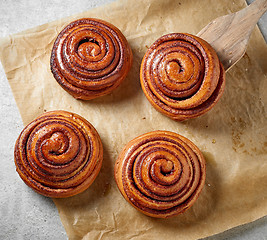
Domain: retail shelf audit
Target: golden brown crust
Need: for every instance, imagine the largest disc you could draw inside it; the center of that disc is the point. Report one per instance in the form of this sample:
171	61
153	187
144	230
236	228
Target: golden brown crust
59	154
160	173
90	58
181	76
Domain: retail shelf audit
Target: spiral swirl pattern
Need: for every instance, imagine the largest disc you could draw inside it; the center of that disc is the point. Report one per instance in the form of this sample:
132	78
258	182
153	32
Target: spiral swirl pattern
59	154
181	76
160	173
90	58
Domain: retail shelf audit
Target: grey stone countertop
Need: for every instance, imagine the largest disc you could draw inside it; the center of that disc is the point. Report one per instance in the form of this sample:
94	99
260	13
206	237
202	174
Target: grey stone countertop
23	213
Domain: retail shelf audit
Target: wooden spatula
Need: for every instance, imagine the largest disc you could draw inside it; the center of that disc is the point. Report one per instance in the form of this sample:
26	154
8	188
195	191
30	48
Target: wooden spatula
229	34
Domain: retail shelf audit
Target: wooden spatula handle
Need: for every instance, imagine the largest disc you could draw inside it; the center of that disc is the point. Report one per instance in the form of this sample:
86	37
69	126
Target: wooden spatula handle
229	34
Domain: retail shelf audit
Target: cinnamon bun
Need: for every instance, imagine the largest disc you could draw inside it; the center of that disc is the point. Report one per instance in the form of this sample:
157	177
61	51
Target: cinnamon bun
160	173
182	76
59	154
90	58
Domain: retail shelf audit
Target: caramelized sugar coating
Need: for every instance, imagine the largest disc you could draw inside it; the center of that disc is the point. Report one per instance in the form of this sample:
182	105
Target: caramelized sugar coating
160	173
59	154
90	58
182	76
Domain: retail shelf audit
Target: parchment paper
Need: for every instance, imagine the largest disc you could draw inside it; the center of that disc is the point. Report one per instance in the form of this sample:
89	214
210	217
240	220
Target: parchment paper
232	136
